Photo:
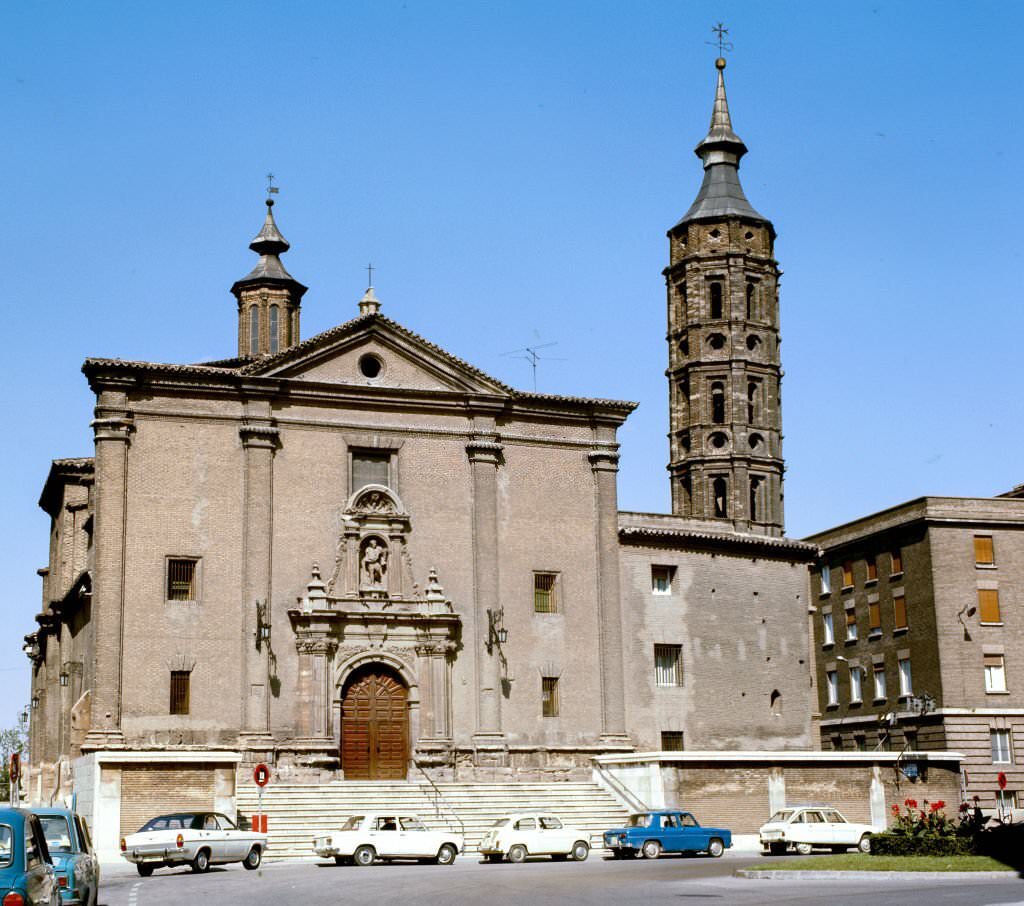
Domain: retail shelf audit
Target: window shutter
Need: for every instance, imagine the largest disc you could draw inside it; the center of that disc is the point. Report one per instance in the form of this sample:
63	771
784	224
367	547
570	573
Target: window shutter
988	605
899	612
847	574
984	553
874	615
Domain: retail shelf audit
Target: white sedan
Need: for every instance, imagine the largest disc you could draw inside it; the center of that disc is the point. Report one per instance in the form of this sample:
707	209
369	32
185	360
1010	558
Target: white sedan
363	839
533	834
806	827
198	839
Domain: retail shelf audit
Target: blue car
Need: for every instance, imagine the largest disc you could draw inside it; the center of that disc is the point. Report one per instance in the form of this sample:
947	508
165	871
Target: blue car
649	834
74	861
26	875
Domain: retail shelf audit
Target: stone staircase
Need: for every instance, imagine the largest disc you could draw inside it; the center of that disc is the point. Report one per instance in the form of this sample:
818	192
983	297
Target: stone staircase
296	813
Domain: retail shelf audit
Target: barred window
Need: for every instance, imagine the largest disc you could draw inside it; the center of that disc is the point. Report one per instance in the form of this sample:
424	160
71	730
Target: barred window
545	599
668	665
181	579
179	691
549	696
671	740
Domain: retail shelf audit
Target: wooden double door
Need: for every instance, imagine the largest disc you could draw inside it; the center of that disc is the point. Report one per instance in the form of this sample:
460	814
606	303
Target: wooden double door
374	726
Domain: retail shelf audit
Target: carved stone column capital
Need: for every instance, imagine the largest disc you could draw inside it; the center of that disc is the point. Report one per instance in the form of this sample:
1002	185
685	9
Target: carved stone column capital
316	646
264	436
484	451
603	460
113	427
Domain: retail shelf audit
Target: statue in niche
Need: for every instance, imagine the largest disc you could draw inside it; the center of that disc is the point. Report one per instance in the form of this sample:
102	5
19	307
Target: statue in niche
375	563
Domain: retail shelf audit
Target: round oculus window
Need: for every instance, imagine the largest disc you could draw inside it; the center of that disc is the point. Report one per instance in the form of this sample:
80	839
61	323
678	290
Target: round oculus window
370	366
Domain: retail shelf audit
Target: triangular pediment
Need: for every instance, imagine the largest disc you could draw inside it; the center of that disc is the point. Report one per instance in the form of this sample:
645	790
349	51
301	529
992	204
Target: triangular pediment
374	351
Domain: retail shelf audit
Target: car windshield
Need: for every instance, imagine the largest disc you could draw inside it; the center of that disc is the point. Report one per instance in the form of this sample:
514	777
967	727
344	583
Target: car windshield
6	846
501	822
643	820
57	833
170	822
782	815
353	823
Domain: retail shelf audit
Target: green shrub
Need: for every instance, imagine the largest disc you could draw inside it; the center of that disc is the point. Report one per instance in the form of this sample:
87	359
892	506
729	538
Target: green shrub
898	844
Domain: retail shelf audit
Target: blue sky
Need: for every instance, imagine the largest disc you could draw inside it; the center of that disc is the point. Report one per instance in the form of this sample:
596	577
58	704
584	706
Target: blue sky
511	169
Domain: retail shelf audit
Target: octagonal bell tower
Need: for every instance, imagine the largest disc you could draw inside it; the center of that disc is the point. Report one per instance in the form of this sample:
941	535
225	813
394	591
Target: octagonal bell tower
724	373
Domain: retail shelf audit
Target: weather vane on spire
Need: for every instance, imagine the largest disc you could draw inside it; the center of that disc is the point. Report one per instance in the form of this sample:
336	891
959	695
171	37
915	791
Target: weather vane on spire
271	188
723	45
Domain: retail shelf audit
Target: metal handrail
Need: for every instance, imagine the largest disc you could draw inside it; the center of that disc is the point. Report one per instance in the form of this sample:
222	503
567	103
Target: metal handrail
439	799
626	795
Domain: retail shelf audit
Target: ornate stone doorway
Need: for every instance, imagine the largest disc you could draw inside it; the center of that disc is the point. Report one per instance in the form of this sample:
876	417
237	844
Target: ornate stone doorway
374	725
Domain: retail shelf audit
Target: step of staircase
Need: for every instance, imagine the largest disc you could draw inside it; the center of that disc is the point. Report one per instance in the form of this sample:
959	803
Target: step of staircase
296	813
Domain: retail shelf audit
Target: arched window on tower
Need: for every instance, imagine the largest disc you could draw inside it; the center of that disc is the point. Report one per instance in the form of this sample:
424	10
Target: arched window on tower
751	300
751	402
275	344
716	300
254	330
718	403
775	703
720	497
755	498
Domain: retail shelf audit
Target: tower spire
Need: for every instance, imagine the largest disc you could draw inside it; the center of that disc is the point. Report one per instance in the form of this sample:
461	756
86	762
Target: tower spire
268	296
721	194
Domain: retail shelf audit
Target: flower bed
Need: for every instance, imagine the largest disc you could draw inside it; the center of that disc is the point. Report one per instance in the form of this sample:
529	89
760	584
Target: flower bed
925	831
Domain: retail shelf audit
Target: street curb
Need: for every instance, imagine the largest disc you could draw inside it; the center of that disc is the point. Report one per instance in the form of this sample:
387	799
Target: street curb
765	875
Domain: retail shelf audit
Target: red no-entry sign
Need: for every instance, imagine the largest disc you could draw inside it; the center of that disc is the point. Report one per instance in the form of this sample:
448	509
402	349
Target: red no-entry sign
261	775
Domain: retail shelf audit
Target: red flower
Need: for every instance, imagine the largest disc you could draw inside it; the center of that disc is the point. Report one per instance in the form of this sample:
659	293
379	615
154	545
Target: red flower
896	809
910	803
938	806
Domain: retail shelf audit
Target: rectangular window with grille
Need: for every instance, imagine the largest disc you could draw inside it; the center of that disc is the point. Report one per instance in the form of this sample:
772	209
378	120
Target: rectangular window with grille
661	579
984	552
995	673
179	691
1002	751
668	665
671	740
899	612
370	467
988	605
545	592
549	696
181	579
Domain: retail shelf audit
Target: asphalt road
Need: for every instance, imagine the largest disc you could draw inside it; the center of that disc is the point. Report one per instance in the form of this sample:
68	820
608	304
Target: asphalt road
537	883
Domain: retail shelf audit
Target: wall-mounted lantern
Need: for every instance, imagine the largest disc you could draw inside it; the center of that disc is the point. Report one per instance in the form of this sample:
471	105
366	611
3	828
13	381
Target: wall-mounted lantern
64	678
497	634
35	702
262	625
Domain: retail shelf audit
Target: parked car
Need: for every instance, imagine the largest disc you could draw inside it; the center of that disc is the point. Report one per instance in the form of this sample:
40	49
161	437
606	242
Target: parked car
515	837
363	839
26	874
198	839
805	827
74	861
651	833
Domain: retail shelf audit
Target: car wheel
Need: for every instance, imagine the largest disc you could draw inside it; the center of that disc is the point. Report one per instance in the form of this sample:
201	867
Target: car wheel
446	855
201	863
144	869
715	848
651	849
364	855
252	861
804	849
864	845
580	851
517	853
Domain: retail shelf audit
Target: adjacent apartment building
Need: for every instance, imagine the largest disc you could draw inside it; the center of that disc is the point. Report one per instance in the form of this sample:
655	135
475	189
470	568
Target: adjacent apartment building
919	634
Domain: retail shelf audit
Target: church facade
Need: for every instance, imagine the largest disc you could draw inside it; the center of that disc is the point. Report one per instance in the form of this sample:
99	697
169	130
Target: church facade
357	556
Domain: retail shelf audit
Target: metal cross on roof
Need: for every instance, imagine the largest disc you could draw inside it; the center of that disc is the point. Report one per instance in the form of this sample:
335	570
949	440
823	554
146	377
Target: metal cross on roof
271	188
723	45
369	270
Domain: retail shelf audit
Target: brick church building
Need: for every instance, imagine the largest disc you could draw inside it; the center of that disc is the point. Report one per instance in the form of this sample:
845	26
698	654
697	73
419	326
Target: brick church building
357	556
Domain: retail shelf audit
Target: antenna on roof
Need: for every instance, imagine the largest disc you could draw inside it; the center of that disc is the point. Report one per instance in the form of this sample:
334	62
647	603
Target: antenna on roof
529	353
